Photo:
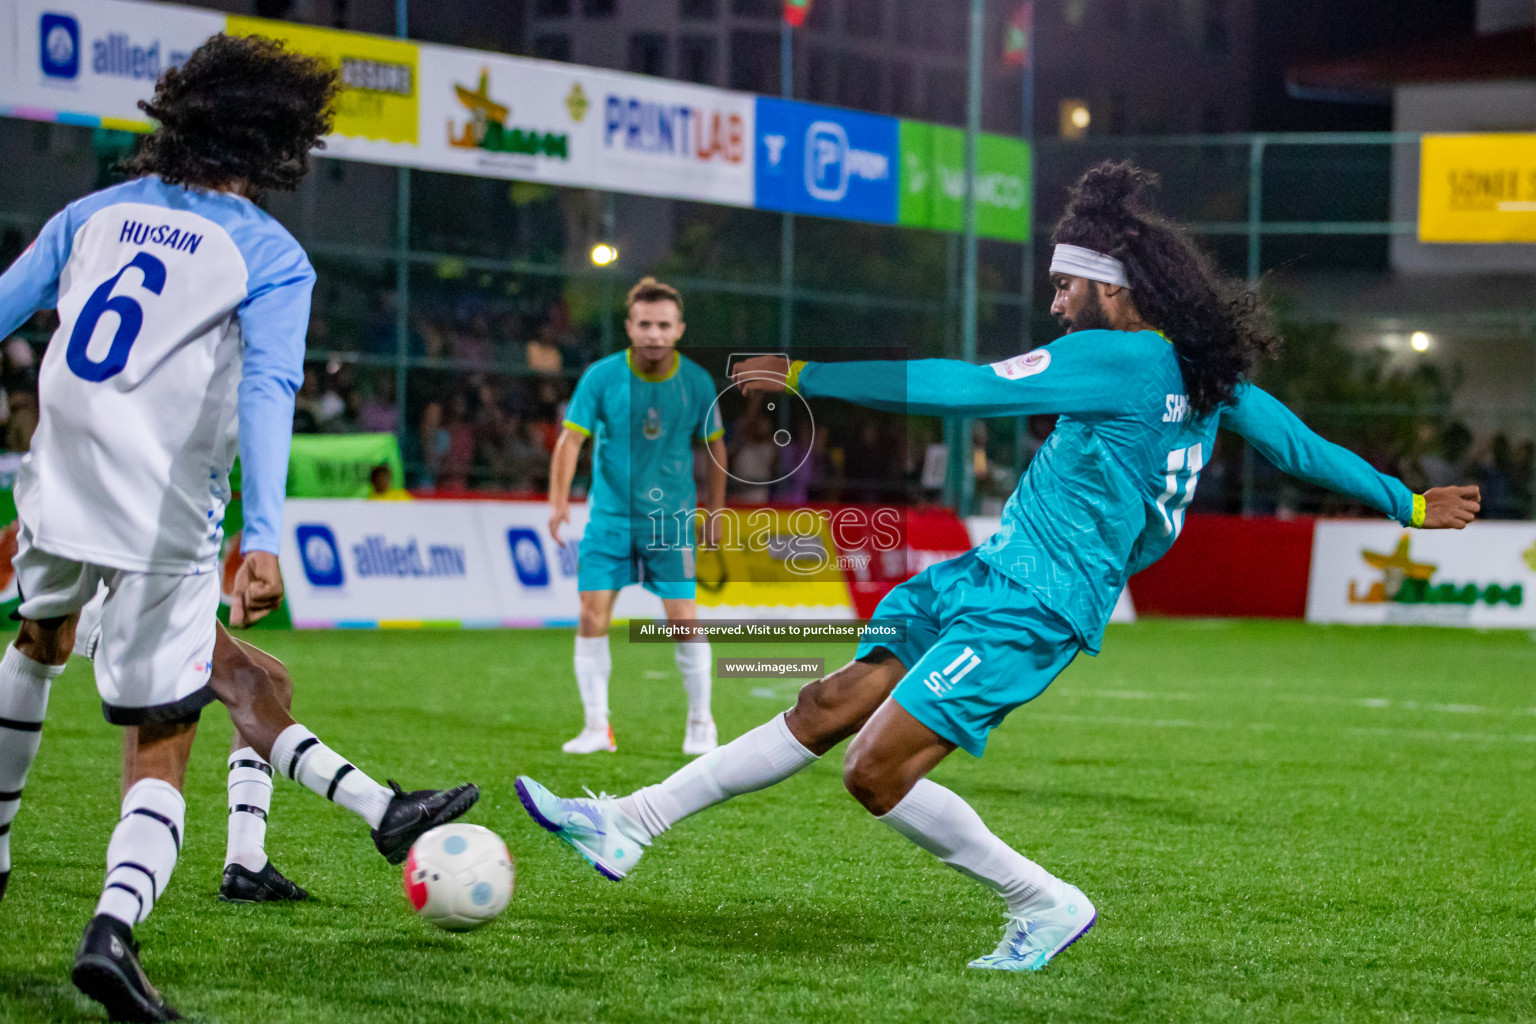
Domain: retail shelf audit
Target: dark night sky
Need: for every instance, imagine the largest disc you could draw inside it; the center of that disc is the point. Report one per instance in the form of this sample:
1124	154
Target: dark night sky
1292	32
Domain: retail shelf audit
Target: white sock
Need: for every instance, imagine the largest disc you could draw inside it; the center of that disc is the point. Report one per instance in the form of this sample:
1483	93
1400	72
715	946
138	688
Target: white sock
298	754
594	663
693	660
940	822
250	798
766	755
24	687
143	850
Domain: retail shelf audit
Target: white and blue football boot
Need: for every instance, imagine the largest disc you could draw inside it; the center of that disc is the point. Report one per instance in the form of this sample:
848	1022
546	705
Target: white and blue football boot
610	840
1031	941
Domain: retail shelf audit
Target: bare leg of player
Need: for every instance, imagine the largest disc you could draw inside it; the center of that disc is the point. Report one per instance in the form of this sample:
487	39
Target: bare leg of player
611	834
147	839
257	705
693	656
886	771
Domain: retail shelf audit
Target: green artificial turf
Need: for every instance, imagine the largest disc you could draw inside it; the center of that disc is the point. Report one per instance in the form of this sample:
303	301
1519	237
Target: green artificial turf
1277	823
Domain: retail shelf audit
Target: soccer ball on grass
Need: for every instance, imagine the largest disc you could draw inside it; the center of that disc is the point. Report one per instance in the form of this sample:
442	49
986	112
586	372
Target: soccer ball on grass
459	877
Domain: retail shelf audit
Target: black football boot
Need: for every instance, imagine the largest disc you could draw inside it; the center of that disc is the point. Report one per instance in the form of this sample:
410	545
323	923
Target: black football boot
411	814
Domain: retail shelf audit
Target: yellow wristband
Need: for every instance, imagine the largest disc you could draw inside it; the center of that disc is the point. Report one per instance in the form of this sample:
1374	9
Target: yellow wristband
792	382
1419	508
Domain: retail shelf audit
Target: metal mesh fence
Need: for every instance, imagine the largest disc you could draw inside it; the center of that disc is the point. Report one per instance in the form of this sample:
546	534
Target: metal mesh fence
463	329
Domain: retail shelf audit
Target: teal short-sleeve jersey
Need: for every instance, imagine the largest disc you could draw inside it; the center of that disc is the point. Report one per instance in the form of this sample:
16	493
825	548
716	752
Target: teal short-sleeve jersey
642	431
1106	495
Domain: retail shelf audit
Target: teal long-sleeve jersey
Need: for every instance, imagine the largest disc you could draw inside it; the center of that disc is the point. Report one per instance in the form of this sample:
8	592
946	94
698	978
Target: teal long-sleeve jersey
1105	497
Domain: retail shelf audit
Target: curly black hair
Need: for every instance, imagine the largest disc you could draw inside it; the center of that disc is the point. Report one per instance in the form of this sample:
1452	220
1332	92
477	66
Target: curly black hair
241	109
1217	324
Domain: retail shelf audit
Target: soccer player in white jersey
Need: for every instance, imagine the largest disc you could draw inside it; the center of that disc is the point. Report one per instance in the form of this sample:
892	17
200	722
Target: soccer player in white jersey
183	310
249	874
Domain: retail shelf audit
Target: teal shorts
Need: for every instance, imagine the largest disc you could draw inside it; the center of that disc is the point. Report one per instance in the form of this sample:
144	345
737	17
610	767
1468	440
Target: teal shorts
977	644
611	557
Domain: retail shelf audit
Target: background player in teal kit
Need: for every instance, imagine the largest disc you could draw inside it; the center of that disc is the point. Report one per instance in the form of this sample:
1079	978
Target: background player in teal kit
644	408
1157	357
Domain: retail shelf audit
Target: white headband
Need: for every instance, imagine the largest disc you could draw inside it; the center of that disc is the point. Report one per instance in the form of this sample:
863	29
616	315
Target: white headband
1085	263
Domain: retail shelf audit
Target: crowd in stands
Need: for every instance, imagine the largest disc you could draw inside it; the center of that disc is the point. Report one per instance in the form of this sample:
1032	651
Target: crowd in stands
485	415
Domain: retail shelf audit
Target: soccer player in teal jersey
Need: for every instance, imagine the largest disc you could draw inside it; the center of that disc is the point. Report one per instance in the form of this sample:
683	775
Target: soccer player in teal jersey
1157	357
644	408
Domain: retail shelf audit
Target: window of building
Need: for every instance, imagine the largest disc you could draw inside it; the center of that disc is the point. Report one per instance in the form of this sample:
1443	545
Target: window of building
903	91
758	8
946	33
946	97
552	47
648	53
909	16
864	19
755	61
1214	35
1116	119
858	83
599	8
821	75
698	10
697	59
552	8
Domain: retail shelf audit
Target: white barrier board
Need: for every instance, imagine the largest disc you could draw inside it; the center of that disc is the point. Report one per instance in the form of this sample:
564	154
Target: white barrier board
1377	573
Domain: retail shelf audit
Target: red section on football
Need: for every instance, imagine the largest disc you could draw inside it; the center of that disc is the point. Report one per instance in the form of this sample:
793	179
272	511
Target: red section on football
416	892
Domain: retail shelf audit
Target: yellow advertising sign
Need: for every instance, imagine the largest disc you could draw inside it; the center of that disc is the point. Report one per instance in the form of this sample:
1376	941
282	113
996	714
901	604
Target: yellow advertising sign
379	98
768	558
1477	188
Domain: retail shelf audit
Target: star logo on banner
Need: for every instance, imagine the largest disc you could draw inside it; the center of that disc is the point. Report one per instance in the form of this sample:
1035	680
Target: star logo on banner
576	103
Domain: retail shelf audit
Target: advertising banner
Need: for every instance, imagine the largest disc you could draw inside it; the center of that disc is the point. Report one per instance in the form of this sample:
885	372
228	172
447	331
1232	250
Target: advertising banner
1477	188
387	564
665	138
775	563
339	465
1371	573
479	564
932	187
379	76
826	161
90	62
511	117
534	576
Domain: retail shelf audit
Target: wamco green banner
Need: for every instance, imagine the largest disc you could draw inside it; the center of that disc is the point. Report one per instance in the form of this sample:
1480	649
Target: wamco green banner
337	465
932	186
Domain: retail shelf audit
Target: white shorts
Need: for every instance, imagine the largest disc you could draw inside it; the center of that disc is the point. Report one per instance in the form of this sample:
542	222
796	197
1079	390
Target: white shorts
152	643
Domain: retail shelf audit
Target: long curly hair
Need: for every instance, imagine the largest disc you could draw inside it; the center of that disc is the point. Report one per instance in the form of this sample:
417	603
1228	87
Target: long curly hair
242	108
1217	324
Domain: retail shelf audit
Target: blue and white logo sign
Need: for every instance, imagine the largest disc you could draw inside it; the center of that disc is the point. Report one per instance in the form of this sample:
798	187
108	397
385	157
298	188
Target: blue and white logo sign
568	554
59	45
821	160
320	555
528	557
